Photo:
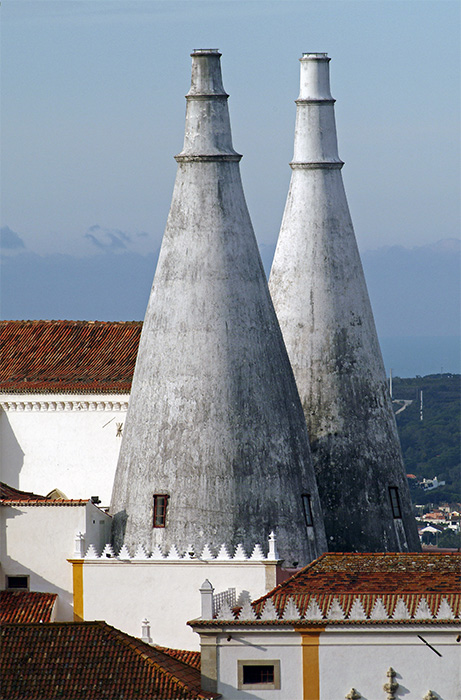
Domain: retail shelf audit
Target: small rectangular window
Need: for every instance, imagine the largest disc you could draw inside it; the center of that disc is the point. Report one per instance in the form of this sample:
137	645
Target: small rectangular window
307	510
395	502
160	506
258	675
17	583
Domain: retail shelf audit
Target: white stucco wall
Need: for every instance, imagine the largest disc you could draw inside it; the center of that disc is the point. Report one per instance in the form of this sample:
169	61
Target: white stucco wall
348	658
274	645
165	592
65	441
36	541
361	659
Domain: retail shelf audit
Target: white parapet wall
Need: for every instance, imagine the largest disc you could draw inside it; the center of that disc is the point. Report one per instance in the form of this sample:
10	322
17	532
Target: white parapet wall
164	589
65	441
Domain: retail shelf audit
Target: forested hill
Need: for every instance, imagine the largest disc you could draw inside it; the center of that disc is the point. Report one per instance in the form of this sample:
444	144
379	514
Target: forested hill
431	446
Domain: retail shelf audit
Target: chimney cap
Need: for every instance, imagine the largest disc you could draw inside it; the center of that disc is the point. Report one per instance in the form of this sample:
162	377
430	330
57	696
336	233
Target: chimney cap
309	56
206	52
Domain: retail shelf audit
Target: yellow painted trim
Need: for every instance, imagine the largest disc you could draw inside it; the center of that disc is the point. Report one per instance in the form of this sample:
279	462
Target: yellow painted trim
310	640
77	573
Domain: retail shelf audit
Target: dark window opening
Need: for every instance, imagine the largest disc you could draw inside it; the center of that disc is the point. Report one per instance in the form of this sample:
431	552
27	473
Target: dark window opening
160	506
258	674
307	507
395	502
18	583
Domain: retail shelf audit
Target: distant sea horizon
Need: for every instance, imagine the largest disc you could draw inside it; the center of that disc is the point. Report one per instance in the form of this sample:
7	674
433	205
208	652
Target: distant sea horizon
421	355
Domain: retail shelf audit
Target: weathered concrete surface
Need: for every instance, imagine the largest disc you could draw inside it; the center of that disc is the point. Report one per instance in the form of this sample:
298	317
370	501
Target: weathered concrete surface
320	296
214	419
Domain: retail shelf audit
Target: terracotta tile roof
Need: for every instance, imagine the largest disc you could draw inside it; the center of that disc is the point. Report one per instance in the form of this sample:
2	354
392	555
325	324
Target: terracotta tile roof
26	606
90	661
192	658
68	356
10	496
338	588
9	493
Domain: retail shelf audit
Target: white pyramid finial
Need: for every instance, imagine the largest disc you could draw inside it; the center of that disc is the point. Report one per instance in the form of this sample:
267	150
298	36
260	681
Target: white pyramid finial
272	555
79	545
157	552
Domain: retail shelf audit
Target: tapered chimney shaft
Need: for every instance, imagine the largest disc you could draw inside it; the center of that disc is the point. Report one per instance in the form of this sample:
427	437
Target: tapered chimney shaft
320	296
215	447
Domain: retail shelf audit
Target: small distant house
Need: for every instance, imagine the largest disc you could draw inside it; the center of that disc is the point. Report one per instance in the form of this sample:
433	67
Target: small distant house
64	390
40	533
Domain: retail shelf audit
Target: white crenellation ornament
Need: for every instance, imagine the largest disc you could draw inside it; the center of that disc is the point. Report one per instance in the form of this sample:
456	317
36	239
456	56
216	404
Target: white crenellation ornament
91	552
223	554
247	611
108	552
357	611
257	553
291	611
423	612
335	611
225	612
141	553
401	611
445	612
313	611
124	553
207	553
173	553
268	612
240	553
379	611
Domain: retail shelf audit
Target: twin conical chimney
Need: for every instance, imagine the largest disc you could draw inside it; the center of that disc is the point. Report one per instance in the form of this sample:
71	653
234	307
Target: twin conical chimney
215	447
320	296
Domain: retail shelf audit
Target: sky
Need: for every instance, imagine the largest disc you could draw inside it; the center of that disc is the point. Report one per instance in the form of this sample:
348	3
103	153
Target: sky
93	112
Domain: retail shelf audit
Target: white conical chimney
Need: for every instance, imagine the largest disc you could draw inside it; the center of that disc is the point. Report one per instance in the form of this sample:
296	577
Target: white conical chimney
320	296
215	446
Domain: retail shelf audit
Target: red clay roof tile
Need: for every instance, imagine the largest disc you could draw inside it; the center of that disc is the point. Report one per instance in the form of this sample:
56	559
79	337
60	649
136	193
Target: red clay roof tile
26	606
68	356
90	661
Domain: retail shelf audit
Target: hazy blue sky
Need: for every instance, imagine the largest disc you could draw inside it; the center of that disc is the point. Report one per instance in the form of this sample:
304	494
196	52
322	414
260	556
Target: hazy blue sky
93	113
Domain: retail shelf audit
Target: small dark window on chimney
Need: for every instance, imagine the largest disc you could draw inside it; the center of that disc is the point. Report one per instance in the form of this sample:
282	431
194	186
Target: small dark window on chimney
395	502
17	583
307	510
160	505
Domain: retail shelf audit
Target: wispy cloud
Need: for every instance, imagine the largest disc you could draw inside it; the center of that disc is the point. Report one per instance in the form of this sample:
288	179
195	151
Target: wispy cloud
10	240
108	240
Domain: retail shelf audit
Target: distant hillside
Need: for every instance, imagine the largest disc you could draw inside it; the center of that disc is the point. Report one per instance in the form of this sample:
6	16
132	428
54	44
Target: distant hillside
431	447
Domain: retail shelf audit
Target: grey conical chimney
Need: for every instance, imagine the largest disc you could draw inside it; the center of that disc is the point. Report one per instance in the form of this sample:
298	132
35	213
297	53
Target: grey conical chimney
215	431
320	296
